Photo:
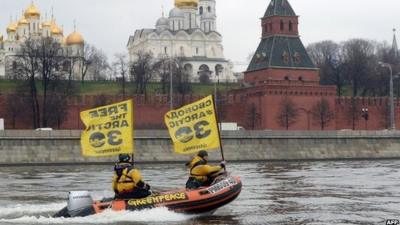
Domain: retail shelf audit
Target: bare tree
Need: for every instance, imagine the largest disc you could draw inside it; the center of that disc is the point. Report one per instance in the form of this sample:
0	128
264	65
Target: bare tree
121	68
25	66
359	61
99	65
322	113
327	56
142	71
41	59
253	116
86	60
353	113
288	113
182	83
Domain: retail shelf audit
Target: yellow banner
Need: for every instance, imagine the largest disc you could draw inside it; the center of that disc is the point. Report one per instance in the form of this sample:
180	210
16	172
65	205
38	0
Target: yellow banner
109	130
193	127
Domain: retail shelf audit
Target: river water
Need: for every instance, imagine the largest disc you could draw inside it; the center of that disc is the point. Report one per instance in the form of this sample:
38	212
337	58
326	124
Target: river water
284	193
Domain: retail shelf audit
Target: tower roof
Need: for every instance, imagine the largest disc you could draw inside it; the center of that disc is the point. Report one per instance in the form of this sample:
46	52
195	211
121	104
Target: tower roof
279	8
281	52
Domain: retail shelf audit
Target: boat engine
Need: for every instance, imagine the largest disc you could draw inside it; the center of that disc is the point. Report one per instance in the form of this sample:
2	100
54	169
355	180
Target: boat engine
80	204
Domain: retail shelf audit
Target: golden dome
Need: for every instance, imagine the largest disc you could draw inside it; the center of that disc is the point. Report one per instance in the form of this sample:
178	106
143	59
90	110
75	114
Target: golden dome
23	21
32	11
46	24
55	30
12	27
186	3
75	38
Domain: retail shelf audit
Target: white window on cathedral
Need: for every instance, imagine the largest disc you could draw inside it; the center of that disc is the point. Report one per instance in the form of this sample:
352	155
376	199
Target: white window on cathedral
197	50
209	9
182	50
201	10
165	50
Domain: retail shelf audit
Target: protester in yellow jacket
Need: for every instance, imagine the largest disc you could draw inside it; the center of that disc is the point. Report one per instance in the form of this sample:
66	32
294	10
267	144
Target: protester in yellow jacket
127	181
202	174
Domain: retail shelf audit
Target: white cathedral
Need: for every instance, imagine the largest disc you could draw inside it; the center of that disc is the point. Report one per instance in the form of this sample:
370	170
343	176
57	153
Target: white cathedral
190	33
32	25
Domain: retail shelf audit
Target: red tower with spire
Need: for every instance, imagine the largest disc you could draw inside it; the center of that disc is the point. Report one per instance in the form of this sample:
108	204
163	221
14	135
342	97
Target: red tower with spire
281	55
281	71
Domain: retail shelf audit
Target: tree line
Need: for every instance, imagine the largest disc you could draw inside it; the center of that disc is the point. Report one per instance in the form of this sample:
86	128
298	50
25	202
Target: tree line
49	72
353	66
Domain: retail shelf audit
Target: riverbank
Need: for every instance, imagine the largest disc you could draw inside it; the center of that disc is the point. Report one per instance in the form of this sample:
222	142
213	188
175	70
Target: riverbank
62	147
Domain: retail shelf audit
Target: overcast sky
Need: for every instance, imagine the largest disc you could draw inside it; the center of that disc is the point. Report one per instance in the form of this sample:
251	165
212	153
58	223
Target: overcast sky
107	24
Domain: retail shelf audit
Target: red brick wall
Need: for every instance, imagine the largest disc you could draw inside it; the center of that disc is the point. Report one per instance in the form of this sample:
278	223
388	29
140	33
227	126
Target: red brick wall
235	107
268	76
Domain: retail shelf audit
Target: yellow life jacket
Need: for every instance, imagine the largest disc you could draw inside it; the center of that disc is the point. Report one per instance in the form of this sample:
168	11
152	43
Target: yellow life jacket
126	178
200	171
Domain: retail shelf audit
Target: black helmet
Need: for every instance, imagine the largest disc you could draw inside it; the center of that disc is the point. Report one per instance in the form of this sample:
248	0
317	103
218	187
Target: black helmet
124	157
202	153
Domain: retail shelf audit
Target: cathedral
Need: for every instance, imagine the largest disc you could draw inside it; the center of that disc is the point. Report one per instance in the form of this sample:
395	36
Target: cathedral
189	33
32	25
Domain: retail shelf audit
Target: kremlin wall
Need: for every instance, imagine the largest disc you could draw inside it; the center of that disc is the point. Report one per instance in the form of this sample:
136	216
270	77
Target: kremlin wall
149	114
280	69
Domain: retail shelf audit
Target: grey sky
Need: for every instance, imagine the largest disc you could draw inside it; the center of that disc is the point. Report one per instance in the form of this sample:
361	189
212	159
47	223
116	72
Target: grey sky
108	23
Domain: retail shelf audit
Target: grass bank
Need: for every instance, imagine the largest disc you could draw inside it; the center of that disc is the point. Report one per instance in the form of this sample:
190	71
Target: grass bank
115	88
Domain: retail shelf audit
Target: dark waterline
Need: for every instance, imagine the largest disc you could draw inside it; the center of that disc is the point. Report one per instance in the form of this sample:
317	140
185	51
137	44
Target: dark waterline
299	193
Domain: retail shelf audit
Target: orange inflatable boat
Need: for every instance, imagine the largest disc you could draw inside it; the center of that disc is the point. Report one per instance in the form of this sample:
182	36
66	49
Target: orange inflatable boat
203	200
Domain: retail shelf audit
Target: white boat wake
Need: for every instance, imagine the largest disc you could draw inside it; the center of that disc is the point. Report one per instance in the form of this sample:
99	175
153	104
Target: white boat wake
41	214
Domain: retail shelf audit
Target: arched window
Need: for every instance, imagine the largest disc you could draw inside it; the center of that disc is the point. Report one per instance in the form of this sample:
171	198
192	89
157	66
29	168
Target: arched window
209	9
282	25
182	50
290	26
201	10
165	50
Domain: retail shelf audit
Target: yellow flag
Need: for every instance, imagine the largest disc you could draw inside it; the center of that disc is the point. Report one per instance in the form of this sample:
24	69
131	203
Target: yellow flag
109	130
194	127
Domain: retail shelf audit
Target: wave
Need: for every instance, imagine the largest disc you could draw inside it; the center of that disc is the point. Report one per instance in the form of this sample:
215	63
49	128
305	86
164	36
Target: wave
108	216
24	209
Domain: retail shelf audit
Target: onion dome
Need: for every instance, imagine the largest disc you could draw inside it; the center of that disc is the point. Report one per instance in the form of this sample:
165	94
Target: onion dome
186	3
23	22
46	24
32	11
75	38
12	27
176	12
55	29
162	22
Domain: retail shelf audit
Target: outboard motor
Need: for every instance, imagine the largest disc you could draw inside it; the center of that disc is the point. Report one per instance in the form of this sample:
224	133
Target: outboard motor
80	203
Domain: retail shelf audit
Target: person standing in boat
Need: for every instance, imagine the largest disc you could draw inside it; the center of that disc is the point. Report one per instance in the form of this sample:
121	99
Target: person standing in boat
202	174
127	181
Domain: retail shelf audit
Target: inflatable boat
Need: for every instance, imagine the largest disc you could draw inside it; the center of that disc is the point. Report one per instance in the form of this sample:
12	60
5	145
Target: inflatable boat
203	200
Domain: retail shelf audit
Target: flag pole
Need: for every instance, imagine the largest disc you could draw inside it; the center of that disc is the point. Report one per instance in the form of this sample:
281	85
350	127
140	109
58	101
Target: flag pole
219	133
